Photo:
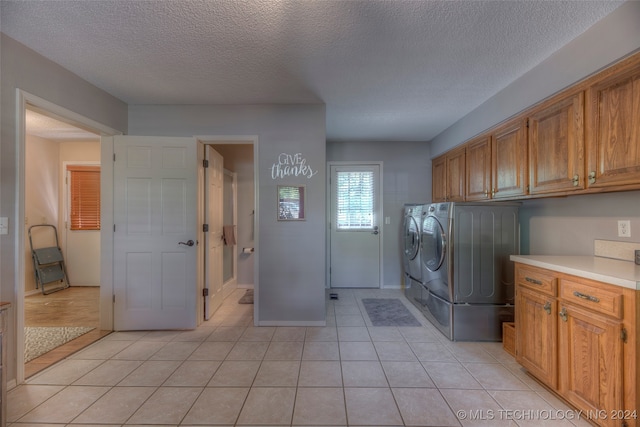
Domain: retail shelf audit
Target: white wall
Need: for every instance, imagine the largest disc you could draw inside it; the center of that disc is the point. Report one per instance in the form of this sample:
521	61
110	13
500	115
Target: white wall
406	179
41	198
290	255
81	248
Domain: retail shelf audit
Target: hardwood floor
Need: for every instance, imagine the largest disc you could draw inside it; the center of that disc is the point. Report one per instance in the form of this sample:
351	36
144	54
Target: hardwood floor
74	306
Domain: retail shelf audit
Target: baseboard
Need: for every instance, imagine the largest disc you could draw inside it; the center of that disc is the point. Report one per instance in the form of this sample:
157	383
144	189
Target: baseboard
290	323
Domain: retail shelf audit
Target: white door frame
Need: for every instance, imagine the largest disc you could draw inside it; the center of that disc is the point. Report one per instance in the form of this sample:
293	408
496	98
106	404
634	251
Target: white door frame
329	219
24	99
237	140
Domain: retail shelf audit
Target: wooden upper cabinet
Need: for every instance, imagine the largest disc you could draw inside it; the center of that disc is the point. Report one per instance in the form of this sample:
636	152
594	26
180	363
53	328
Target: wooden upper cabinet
556	146
509	160
439	179
456	175
613	137
478	176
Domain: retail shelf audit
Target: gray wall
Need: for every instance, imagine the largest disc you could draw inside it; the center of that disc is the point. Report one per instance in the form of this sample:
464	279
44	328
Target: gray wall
569	225
614	37
563	226
291	255
24	69
406	179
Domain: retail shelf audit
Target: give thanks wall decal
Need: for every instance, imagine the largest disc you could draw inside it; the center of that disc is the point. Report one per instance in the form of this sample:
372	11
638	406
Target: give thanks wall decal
291	165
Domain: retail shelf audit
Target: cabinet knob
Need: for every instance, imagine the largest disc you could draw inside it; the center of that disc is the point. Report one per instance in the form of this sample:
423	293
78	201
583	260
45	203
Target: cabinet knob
576	180
563	314
592	177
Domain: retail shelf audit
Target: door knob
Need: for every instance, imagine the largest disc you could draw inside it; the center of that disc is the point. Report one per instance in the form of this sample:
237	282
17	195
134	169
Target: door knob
187	243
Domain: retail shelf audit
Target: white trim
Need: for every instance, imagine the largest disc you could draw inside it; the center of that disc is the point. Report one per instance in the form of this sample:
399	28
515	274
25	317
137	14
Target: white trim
246	139
24	99
329	219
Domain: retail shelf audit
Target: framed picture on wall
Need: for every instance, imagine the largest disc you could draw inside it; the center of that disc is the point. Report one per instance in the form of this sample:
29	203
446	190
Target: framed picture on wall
291	202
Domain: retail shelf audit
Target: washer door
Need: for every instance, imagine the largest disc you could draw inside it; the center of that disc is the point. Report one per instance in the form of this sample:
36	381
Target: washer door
411	238
433	243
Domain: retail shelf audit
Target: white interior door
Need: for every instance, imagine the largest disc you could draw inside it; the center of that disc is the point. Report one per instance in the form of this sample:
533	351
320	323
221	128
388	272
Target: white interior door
155	218
214	217
356	209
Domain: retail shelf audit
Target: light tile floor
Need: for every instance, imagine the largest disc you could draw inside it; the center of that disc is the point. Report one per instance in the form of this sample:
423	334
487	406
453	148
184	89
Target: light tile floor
228	372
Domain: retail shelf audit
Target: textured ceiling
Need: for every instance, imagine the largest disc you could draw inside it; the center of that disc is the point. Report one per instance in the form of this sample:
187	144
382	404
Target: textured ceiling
386	70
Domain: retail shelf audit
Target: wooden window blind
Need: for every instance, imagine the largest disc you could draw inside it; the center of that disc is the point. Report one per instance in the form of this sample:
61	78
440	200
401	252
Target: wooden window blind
84	188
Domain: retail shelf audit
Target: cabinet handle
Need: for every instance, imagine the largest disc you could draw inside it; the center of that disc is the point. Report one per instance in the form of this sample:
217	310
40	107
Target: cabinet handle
547	307
563	314
534	281
592	177
585	296
576	180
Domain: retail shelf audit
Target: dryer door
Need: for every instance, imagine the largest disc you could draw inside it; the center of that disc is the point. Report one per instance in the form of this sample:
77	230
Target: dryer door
411	238
433	242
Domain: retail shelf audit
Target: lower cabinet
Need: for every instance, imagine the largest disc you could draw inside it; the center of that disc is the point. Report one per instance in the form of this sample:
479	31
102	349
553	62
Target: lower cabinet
577	336
590	362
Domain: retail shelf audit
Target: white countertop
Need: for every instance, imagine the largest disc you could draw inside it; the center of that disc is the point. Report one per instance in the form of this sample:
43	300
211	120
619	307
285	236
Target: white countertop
608	270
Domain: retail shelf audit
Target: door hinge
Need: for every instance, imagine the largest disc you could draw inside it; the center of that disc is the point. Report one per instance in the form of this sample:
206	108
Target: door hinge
205	292
205	163
205	227
114	298
527	123
114	157
623	335
114	228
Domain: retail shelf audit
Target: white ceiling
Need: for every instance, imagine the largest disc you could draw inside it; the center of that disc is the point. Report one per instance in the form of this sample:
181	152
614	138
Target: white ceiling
386	70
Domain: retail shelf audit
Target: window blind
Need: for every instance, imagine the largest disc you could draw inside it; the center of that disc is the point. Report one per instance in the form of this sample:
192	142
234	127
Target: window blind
355	200
84	188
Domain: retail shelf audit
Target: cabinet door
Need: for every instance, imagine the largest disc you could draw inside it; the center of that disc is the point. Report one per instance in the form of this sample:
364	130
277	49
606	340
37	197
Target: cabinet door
536	329
556	147
478	169
590	361
509	160
439	179
455	175
613	143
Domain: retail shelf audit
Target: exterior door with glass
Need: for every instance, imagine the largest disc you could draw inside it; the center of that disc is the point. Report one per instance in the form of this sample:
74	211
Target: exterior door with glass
355	232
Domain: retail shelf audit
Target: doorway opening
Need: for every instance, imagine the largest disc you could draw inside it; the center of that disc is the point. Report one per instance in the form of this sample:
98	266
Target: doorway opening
238	217
51	326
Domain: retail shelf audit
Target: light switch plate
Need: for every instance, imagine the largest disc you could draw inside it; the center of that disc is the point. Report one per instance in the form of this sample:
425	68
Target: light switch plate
4	225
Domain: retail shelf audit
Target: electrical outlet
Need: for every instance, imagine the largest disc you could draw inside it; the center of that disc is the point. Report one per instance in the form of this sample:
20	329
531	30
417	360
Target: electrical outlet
624	228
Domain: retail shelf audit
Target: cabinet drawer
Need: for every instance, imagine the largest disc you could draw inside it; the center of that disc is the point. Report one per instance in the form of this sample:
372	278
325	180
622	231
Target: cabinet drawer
538	279
606	300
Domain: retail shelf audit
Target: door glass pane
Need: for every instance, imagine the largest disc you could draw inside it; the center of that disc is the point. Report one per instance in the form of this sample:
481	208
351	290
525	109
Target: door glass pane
355	202
432	244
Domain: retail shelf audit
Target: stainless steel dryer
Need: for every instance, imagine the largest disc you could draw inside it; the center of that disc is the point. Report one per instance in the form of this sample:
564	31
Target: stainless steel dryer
467	276
411	250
